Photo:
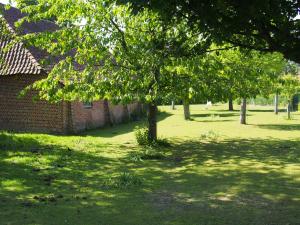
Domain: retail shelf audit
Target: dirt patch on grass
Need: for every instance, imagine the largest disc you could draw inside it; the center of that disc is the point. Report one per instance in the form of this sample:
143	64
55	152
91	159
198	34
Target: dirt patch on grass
165	200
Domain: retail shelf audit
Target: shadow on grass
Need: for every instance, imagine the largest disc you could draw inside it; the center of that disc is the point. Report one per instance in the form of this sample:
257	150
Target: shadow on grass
266	110
214	120
226	110
123	128
283	127
236	181
215	115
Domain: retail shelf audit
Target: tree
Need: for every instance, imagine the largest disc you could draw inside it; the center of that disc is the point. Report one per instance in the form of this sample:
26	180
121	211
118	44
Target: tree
230	104
195	79
290	85
262	25
181	84
112	52
279	68
245	74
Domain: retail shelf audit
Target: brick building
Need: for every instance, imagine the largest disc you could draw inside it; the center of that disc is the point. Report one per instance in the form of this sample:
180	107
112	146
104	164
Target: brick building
20	67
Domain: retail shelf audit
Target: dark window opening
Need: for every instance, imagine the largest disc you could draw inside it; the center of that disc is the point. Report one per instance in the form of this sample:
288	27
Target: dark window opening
87	105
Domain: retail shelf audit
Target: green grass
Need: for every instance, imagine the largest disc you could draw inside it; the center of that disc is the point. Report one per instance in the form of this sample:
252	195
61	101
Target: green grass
216	171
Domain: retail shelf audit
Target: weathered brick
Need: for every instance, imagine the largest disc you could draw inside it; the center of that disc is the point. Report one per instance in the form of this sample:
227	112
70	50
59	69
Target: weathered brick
24	114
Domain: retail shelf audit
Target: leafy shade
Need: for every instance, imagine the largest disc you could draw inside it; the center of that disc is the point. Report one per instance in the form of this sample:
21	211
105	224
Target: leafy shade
256	24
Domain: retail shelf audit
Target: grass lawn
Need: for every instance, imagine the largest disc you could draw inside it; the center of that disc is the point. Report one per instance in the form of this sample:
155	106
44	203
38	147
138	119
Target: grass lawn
216	171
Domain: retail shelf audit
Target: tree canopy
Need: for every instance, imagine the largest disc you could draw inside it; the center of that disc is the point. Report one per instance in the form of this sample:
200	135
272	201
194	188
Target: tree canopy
256	24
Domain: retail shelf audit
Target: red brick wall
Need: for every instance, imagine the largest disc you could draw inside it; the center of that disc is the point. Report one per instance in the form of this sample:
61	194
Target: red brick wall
22	114
88	118
118	113
135	110
95	117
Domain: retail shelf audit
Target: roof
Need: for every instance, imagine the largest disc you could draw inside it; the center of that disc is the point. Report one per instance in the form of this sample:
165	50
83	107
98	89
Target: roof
19	59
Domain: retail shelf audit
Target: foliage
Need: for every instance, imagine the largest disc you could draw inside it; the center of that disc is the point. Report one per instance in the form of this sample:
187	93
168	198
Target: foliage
124	53
247	74
111	52
193	78
228	73
290	85
141	136
260	25
291	68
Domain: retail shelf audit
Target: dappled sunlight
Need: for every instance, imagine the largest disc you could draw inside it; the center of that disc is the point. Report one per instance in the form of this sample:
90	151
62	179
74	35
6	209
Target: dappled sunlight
212	175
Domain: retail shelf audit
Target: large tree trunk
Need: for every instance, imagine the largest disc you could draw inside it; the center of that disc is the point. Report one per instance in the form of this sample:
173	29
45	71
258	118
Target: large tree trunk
243	111
173	105
152	122
230	104
276	102
186	109
289	109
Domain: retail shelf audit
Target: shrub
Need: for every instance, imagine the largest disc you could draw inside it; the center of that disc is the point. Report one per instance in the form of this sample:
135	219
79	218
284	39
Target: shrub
141	136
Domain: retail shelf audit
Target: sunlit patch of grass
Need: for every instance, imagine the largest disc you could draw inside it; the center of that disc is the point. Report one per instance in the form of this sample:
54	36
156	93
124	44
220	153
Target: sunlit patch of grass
12	185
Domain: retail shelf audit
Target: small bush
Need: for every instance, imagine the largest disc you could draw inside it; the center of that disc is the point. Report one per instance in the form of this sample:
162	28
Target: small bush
141	136
123	180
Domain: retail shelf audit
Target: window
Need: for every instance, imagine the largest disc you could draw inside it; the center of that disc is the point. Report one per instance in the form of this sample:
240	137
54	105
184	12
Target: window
87	105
